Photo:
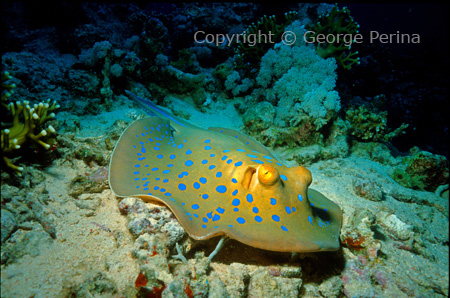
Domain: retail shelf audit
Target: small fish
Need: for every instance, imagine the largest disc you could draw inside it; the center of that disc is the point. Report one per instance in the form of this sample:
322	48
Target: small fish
219	181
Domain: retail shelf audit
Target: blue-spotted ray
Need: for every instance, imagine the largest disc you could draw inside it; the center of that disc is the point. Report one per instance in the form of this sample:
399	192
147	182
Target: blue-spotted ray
221	182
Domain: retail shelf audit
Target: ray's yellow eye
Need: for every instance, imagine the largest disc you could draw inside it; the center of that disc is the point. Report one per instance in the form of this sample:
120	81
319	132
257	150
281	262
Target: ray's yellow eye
268	175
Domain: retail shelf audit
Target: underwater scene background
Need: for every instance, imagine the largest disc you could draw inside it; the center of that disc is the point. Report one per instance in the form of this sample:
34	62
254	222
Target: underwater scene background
356	93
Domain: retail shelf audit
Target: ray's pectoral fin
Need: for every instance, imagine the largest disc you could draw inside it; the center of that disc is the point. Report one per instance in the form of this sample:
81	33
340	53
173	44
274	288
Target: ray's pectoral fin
123	159
328	212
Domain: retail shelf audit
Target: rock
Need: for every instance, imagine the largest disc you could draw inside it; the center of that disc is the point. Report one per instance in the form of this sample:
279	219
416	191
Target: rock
8	224
367	189
262	284
259	117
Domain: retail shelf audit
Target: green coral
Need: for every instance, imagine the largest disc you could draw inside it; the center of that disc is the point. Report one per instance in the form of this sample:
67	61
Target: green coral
7	88
337	23
371	126
422	170
251	54
15	136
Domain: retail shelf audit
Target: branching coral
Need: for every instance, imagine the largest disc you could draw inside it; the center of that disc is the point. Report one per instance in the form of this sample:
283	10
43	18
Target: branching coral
33	118
7	88
337	24
367	125
251	54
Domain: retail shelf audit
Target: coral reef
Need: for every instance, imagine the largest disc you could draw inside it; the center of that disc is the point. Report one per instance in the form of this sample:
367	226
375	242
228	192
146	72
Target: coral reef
250	54
302	81
371	126
14	137
336	23
422	170
7	88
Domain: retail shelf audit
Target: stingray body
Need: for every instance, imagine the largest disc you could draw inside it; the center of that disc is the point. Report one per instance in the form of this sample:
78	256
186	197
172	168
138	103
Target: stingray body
221	182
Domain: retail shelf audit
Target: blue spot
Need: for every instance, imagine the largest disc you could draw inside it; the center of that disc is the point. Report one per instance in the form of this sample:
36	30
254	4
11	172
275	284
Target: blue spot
216	217
159	156
255	210
162	190
156	187
240	150
207	141
143	150
249	198
258	161
202	180
226	150
283	177
236	202
310	219
195	206
135	179
155	169
188	163
293	209
205	219
211	167
220	210
229	161
233	180
166	171
221	189
212	155
168	194
205	161
224	157
268	157
276	218
300	198
252	156
207	147
239	163
165	180
240	220
219	174
288	210
182	187
236	209
258	218
273	201
284	228
205	196
209	214
196	185
279	164
172	156
141	158
180	146
235	192
204	226
156	148
135	173
170	165
189	152
137	166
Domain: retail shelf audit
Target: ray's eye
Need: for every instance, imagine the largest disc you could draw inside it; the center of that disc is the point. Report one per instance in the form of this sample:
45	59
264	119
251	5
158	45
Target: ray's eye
268	175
